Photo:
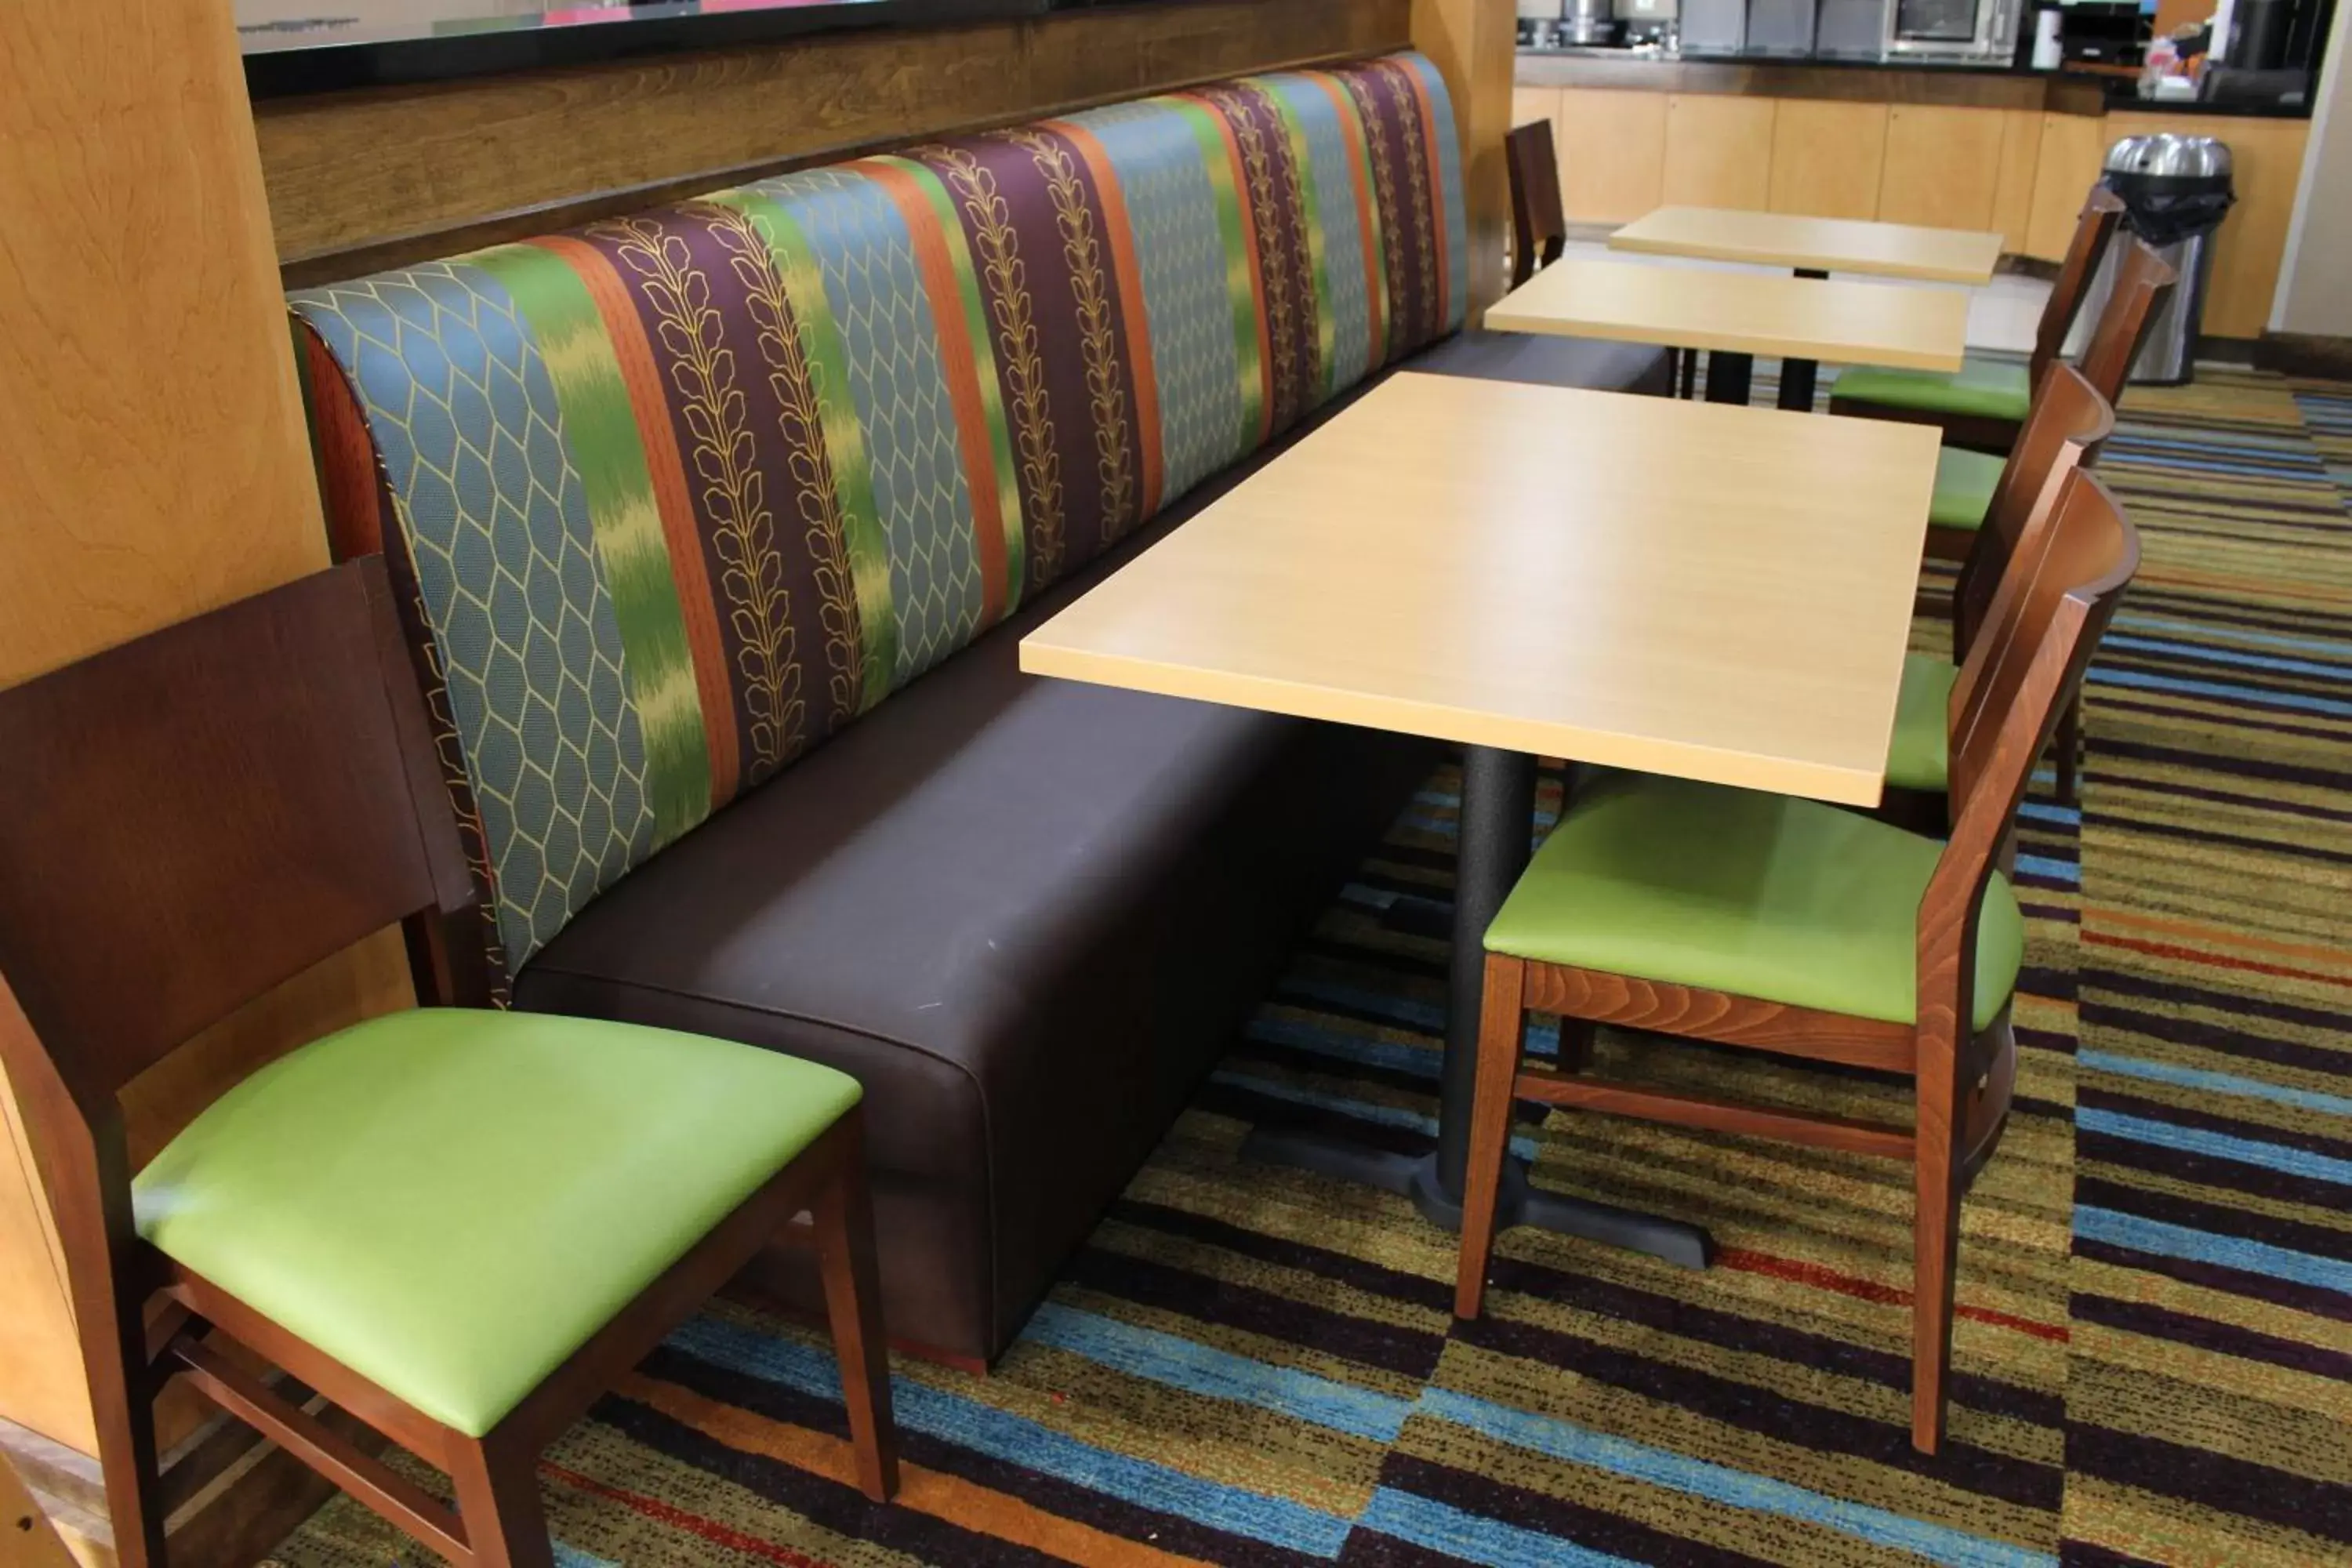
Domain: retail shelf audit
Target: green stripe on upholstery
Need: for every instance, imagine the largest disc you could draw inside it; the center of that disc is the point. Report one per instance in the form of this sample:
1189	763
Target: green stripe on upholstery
1302	157
600	429
1240	289
845	436
992	390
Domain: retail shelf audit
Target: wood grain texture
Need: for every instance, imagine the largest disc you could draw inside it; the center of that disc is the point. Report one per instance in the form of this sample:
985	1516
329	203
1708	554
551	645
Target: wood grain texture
363	180
1832	244
1473	43
1715	1015
156	467
2065	165
1881	1138
1759	313
1827	158
1545	570
2013	200
1718	151
29	1541
1797	78
1943	166
1613	153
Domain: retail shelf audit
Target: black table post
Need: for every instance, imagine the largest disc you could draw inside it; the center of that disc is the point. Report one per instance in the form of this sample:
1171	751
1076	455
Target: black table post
1497	828
1797	375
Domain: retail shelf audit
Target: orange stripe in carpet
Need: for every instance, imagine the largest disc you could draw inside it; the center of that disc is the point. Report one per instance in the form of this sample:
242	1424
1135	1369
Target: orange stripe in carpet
950	1498
692	1523
1823	1278
2325	955
2216	960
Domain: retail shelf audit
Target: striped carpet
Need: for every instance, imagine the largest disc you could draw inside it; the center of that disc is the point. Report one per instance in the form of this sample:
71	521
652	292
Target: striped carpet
2154	1351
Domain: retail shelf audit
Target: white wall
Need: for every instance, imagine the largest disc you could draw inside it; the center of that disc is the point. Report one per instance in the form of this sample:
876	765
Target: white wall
2314	289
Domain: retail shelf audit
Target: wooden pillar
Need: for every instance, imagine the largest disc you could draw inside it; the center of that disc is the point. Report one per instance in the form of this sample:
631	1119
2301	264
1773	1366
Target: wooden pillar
1475	43
154	466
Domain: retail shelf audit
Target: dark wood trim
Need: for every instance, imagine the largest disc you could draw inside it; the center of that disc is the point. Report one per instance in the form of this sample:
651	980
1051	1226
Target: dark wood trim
362	181
2297	354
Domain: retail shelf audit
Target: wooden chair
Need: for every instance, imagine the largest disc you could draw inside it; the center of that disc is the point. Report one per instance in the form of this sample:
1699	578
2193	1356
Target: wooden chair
1791	927
1982	406
1538	225
2069	424
1966	478
490	1214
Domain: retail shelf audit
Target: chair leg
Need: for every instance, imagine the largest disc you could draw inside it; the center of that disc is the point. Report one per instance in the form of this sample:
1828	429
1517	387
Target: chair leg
1500	1026
122	1400
498	1501
1936	1154
853	1300
2069	744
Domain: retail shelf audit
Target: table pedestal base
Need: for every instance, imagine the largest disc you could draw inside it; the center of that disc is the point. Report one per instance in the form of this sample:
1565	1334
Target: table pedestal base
1522	1203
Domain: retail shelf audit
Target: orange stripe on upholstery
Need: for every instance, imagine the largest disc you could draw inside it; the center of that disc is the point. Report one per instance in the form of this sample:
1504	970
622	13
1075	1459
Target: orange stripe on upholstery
946	1497
959	359
698	605
1136	336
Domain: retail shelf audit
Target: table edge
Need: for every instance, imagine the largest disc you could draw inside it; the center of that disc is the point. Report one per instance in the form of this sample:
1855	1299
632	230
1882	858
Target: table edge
1501	320
1039	655
1827	264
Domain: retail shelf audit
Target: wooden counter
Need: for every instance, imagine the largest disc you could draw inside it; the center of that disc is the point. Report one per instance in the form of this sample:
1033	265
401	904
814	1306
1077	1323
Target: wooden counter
2009	152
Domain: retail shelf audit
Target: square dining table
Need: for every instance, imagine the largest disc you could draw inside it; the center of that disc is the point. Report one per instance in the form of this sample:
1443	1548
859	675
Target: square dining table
1717	593
1813	247
1741	313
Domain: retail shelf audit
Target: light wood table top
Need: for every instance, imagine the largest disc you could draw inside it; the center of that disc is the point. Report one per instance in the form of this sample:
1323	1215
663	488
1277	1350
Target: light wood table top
1826	243
1741	312
1714	591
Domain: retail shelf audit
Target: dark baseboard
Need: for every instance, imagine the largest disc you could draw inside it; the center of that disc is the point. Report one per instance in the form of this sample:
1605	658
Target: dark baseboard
2304	353
2229	350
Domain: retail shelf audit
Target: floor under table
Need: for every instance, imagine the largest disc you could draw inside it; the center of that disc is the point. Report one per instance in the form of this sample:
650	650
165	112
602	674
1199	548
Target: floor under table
2154	1353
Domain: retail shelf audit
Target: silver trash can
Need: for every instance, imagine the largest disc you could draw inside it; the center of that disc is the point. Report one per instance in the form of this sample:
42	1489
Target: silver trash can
2175	190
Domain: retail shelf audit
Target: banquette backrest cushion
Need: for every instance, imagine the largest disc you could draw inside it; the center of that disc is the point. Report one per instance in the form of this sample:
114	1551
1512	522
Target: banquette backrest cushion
670	497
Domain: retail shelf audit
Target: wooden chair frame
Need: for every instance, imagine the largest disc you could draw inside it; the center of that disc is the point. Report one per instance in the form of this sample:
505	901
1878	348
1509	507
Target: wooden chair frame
2095	228
1539	225
190	820
2077	555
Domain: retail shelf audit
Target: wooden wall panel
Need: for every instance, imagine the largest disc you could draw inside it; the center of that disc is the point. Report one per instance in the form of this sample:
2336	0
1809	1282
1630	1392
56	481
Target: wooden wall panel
1718	151
1475	45
1613	153
1943	166
2071	148
1827	158
363	180
2012	201
155	467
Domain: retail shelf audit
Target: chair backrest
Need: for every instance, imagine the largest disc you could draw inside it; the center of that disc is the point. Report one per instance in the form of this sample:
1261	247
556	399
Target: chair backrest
1539	225
2077	553
192	818
2144	281
2095	226
2066	426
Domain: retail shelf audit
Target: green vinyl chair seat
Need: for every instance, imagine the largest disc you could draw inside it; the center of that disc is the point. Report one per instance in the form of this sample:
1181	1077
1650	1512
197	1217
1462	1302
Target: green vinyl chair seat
1965	482
1919	757
1990	389
451	1202
1759	895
